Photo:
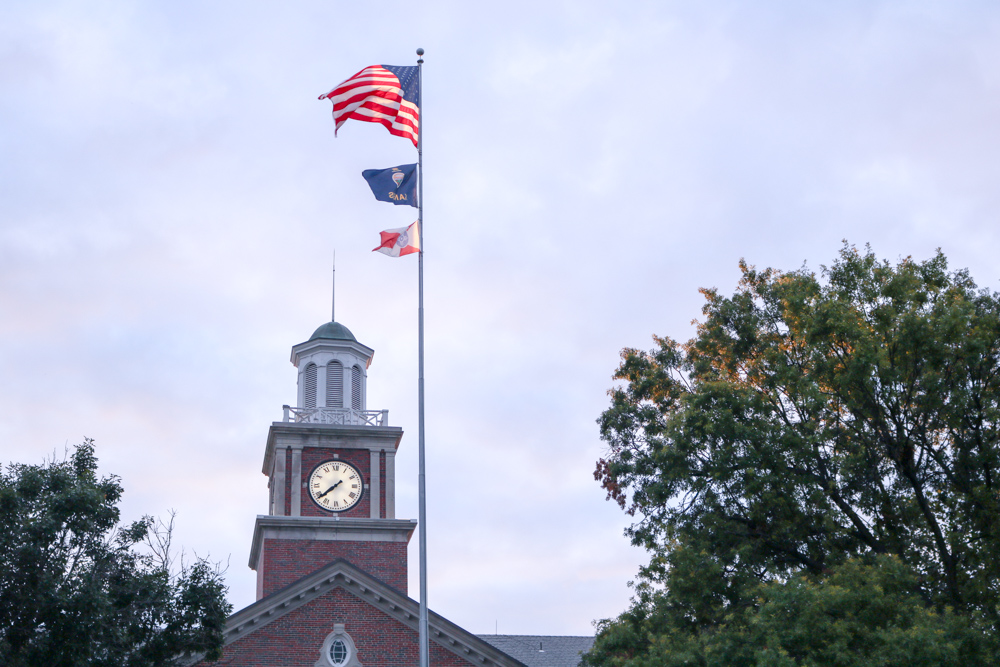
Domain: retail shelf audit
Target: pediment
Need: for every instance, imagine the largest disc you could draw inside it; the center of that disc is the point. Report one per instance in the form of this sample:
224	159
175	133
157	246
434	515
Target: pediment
377	594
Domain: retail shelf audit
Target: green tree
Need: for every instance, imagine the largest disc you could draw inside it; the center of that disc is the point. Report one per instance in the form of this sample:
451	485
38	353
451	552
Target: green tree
859	614
863	613
808	424
78	588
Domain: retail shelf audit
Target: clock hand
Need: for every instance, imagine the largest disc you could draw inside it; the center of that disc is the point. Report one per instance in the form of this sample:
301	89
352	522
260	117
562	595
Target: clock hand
330	489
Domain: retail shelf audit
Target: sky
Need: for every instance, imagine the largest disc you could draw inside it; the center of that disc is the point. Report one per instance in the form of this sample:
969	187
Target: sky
172	193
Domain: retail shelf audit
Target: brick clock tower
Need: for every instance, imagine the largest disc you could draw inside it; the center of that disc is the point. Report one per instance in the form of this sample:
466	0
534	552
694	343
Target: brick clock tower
330	554
331	469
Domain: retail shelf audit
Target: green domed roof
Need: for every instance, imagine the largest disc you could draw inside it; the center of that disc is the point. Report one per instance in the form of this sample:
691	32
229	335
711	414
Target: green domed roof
333	331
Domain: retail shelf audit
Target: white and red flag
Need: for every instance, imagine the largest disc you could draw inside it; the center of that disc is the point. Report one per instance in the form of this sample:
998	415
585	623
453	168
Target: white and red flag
399	242
386	94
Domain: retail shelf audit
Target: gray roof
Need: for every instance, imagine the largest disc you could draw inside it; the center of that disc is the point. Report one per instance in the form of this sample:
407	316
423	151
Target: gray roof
541	650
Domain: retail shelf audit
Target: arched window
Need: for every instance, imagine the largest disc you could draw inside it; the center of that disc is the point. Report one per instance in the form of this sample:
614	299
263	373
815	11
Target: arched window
334	385
309	391
356	388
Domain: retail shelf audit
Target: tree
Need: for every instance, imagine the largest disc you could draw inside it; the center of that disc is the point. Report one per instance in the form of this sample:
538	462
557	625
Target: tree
78	588
809	426
859	614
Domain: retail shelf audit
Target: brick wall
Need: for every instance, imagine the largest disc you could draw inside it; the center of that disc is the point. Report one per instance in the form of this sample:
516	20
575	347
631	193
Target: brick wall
286	561
295	639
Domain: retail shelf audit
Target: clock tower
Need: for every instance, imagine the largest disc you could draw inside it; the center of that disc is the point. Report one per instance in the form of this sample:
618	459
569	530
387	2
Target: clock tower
330	554
331	472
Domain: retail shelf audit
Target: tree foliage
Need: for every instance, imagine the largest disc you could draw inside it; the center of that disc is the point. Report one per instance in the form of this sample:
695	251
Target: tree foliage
78	588
811	425
863	613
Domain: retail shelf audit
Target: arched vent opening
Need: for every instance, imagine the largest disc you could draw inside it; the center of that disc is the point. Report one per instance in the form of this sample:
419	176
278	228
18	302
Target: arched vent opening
309	391
334	385
356	388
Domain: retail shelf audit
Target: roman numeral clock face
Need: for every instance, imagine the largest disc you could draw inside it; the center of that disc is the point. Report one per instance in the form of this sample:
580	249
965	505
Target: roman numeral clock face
336	486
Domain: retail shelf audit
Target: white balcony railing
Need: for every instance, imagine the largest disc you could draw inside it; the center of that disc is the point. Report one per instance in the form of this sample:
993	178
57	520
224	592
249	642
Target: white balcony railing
339	416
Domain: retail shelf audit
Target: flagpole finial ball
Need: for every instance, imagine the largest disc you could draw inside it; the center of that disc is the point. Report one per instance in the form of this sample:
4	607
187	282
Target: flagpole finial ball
420	52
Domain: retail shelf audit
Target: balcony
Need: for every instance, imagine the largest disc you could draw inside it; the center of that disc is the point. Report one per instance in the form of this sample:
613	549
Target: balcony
336	416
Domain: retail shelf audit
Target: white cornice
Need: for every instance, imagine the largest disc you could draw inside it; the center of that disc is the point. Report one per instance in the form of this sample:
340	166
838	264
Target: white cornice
327	529
362	351
330	436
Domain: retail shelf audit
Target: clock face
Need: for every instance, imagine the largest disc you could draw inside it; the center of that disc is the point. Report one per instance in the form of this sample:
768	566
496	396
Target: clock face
336	486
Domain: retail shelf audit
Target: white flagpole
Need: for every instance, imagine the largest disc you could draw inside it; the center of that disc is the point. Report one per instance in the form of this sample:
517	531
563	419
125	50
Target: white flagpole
424	644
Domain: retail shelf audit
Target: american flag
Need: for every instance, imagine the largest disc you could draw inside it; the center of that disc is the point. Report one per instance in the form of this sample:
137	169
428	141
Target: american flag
386	94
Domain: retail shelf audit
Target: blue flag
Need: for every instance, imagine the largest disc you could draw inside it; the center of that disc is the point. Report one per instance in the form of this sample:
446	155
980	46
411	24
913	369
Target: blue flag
397	185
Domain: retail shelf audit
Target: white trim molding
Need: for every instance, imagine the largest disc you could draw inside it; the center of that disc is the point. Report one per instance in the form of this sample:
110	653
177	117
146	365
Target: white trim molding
326	655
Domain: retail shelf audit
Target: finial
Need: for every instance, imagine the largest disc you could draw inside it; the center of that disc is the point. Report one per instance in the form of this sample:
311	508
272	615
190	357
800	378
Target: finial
420	52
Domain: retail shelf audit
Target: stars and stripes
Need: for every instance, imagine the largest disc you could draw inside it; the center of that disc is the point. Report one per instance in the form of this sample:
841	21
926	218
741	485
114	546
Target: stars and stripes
386	94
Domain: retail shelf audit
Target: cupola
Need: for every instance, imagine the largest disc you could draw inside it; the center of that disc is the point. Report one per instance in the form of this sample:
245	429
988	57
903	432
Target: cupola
332	372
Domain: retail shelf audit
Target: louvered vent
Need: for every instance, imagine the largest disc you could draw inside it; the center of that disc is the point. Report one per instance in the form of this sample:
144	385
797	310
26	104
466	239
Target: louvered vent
334	385
309	391
356	388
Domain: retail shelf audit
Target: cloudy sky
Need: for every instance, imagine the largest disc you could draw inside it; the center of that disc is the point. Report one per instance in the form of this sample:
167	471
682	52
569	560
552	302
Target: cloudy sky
171	194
